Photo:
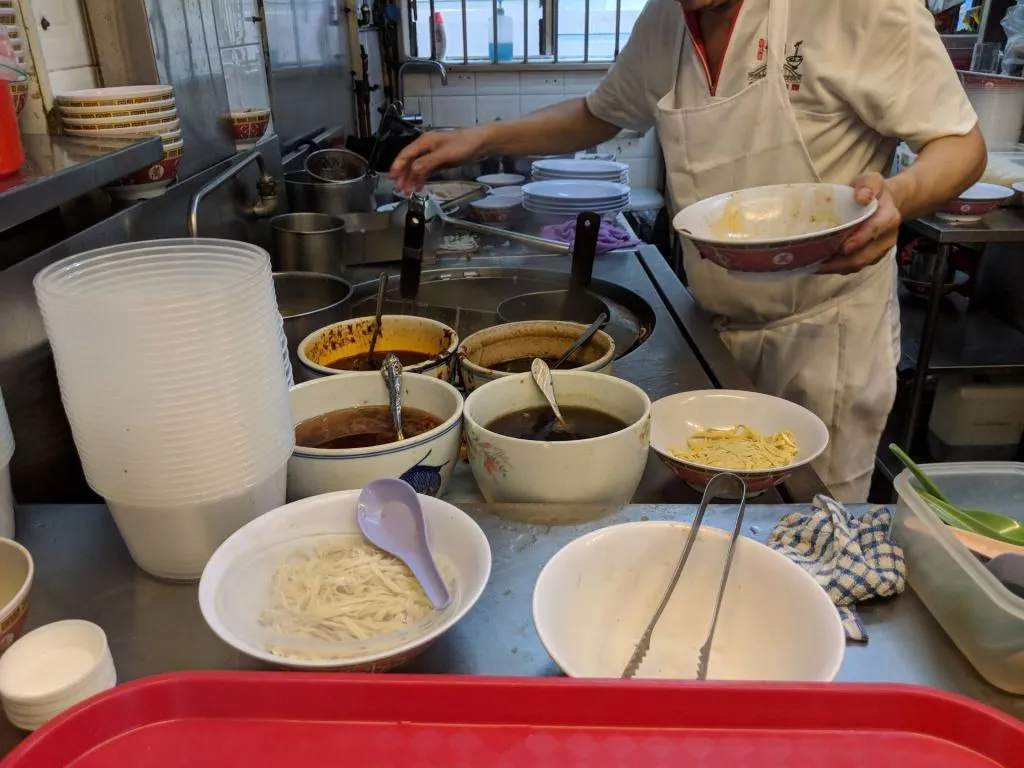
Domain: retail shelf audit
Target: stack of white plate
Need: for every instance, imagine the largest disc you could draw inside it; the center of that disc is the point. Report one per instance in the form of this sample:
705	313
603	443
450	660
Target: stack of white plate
6	453
566	198
173	376
100	120
589	170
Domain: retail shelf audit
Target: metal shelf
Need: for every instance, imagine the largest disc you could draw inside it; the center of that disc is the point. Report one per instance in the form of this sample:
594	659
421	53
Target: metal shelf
54	174
1003	225
965	338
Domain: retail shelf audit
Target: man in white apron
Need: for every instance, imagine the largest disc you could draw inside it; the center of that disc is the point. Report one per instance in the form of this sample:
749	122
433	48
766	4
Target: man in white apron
747	93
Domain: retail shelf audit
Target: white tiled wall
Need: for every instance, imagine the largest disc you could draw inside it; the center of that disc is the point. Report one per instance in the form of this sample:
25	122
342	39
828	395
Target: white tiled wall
480	97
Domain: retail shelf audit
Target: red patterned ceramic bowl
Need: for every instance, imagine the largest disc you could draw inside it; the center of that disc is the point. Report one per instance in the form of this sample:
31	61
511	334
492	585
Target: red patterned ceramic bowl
16	572
164	170
248	125
975	202
674	419
143	122
19	92
115	111
120	95
780	228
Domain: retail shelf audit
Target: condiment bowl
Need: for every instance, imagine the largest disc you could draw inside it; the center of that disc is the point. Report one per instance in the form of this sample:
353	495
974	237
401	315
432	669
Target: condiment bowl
51	669
781	228
16	573
480	352
597	470
676	417
425	461
495	210
398	333
236	583
593	599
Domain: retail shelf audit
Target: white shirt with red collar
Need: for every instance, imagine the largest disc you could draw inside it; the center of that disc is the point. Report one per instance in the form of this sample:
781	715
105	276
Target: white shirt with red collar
861	74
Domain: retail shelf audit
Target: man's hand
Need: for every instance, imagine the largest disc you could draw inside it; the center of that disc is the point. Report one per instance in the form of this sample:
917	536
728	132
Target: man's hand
431	152
872	240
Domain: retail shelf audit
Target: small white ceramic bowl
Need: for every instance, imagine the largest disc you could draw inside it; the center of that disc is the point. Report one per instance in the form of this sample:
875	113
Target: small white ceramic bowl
51	669
676	417
593	599
498	180
398	332
425	461
16	573
599	470
234	587
515	191
548	339
781	228
497	211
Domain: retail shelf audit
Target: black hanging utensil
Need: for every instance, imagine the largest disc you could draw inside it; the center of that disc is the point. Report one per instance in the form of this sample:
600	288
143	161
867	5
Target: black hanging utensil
412	247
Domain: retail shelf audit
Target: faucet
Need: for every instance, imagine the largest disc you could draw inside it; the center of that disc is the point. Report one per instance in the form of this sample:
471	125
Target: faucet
266	187
416	64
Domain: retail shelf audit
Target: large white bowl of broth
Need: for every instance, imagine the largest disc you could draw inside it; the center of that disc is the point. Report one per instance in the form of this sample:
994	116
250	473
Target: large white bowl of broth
345	435
421	344
272	589
594	598
519	453
511	347
759	437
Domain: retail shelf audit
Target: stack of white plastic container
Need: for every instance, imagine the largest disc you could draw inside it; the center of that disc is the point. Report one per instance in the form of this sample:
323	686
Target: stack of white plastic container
171	368
6	453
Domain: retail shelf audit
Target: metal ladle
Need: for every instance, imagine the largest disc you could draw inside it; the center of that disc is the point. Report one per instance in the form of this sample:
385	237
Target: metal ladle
391	370
586	336
542	377
382	289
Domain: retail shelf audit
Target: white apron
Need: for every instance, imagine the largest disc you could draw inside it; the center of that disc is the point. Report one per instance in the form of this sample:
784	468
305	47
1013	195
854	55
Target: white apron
827	342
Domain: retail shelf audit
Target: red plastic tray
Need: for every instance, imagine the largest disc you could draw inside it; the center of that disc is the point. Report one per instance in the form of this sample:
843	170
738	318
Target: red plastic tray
195	720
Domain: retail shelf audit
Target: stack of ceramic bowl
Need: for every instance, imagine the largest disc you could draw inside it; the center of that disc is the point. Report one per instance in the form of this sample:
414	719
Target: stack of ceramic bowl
51	669
6	452
100	120
173	375
9	20
563	199
587	170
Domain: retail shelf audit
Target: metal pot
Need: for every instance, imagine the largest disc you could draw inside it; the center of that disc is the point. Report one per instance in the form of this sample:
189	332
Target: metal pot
336	198
308	302
308	242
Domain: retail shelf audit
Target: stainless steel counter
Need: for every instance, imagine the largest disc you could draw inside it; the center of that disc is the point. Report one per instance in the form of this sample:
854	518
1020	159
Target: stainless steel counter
83	571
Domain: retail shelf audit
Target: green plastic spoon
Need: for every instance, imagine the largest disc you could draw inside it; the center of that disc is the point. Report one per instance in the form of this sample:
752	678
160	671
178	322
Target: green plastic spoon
979	521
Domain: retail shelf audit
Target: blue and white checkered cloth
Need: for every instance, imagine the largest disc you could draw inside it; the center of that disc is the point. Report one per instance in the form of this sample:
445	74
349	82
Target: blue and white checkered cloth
852	558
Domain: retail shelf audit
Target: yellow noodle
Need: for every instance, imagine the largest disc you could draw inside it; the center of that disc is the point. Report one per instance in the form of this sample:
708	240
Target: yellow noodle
738	447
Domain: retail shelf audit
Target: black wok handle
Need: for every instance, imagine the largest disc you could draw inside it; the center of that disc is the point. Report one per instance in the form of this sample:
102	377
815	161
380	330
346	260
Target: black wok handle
584	248
412	249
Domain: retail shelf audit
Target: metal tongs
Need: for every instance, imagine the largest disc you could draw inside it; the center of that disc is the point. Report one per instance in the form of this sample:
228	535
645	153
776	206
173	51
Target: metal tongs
710	493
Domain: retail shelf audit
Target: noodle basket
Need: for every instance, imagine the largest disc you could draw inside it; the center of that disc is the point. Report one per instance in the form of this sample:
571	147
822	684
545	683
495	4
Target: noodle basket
677	418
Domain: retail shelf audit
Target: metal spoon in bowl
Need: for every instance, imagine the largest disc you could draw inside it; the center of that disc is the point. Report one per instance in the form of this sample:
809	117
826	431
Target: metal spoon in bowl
542	377
391	370
382	289
390	517
586	336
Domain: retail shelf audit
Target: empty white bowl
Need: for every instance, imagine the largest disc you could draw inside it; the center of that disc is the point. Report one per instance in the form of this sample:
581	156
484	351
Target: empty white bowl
676	417
235	585
594	598
51	669
424	461
780	228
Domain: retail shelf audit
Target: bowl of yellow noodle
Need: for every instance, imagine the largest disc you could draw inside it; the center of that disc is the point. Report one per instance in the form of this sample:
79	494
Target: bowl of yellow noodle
759	437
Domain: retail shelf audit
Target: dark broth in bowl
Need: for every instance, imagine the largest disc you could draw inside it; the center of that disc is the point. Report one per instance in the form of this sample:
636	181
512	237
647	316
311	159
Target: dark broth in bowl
522	365
539	423
361	427
361	362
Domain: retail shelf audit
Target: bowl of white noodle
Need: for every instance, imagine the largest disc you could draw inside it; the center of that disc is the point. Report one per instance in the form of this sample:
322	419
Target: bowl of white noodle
761	438
299	587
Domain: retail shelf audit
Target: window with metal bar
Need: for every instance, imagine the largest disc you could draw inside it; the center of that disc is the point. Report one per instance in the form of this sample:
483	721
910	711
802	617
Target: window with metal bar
544	31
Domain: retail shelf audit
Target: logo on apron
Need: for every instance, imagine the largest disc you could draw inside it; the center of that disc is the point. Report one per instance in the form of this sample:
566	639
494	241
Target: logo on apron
790	69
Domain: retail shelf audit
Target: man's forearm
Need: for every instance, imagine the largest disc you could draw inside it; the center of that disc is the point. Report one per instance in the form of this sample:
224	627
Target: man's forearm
943	169
564	127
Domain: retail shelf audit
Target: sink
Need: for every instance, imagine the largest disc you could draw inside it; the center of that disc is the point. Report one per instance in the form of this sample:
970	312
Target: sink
467	300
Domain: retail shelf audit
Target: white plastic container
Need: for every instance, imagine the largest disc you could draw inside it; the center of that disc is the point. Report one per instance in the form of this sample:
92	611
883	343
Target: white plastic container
982	617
